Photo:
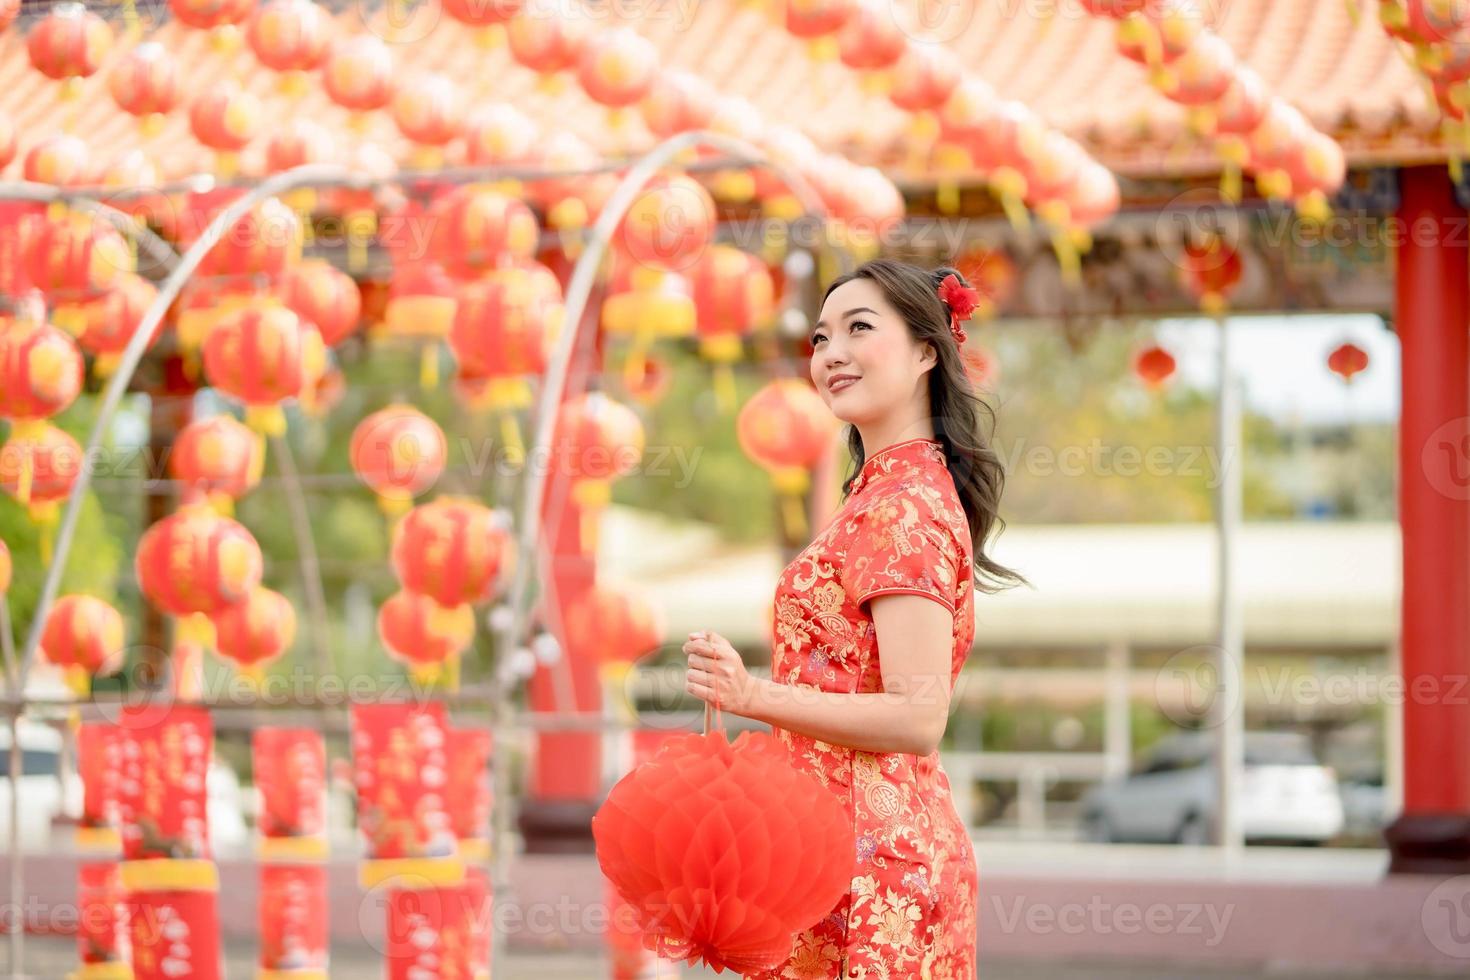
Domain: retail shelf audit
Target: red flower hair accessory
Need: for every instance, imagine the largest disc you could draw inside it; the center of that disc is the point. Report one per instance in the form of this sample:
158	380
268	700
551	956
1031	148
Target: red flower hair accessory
961	300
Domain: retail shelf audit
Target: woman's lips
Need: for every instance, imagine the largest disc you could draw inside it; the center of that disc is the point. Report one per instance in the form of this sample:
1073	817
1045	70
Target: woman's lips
841	384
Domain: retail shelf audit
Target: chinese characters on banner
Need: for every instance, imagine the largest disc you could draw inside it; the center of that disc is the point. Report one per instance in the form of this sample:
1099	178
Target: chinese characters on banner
290	773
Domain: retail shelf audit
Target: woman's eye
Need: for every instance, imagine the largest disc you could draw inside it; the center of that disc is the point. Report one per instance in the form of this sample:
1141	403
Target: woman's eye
860	323
818	338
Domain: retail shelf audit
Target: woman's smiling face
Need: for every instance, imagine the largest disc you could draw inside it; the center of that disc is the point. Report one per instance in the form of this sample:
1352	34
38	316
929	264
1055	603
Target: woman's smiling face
865	363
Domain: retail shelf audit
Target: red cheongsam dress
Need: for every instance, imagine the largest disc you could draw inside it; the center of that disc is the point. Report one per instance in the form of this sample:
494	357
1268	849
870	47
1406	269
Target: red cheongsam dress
910	912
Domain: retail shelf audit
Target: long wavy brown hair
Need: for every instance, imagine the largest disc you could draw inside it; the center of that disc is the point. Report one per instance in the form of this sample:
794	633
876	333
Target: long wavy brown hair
954	406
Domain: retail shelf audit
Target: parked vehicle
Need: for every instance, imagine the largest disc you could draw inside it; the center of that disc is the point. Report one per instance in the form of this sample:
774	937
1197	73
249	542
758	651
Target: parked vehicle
1286	794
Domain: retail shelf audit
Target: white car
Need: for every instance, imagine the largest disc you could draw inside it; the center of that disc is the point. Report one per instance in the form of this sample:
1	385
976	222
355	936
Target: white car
43	797
1285	794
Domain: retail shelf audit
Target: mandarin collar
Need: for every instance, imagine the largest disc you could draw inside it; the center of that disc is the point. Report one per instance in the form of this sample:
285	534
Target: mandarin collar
908	453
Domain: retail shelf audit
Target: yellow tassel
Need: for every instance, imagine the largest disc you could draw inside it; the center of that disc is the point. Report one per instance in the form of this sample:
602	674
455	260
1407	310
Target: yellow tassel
1067	258
947	196
510	434
793	515
1230	182
1457	168
266	419
725	396
429	367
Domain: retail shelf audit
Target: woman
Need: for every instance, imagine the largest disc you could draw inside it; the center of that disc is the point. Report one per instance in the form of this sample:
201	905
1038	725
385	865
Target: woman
874	620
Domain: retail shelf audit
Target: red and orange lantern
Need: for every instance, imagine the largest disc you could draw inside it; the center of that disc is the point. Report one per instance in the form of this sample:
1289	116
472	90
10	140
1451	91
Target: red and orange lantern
617	68
68	44
39	464
62	160
261	245
786	427
500	135
225	118
399	452
1347	360
597	441
612	626
263	356
324	296
475	229
488	17
924	77
40	372
290	37
109	322
1154	366
546	42
1212	270
872	39
256	631
421	307
427	111
733	294
503	326
677	102
84	636
425	636
209	15
455	550
218	457
145	83
195	561
358	74
669	224
73	257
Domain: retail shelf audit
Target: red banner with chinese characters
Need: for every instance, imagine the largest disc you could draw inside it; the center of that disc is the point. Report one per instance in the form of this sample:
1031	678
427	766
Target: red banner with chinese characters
400	768
99	765
293	922
162	787
441	932
469	793
102	930
175	933
291	776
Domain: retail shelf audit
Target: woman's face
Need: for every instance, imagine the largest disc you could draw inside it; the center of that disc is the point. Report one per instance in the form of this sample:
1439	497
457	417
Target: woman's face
865	363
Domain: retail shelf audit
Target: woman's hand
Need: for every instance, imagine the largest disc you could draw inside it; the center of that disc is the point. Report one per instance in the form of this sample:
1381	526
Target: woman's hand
716	673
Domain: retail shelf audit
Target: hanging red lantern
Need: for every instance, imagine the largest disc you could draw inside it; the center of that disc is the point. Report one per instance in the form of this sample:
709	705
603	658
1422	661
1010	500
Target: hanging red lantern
225	117
62	160
809	19
1201	75
733	294
500	135
73	257
597	441
786	427
207	15
421	307
1317	171
1347	360
1092	199
426	109
612	626
503	326
358	73
218	457
924	77
68	44
564	152
291	37
39	464
254	632
474	229
669	224
297	143
399	452
872	39
195	561
262	356
617	67
84	636
453	550
1434	21
145	83
424	635
1279	137
1212	270
487	17
40	372
677	102
649	380
324	296
546	42
261	245
712	879
109	322
1154	366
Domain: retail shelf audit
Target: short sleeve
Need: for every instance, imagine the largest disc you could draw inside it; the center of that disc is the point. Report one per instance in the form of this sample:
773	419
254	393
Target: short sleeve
900	546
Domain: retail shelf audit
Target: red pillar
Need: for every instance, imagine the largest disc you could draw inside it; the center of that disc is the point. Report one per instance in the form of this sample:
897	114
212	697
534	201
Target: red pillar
1433	323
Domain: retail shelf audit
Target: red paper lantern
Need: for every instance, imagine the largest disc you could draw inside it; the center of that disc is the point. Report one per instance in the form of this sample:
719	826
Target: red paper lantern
677	102
544	41
422	633
195	561
1154	366
872	38
297	143
617	67
453	550
500	135
1212	271
669	224
324	296
109	322
611	626
816	18
73	257
597	441
733	294
219	457
62	160
400	765
924	77
786	427
145	83
254	632
69	42
262	356
262	243
205	15
291	776
474	229
294	920
1202	74
1347	360
1436	21
700	842
225	117
40	372
482	13
399	452
503	325
1243	105
358	73
84	636
38	467
420	304
290	35
426	109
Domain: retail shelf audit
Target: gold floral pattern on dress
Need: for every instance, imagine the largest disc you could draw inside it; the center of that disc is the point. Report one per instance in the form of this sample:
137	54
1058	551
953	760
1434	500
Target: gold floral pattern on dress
911	911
